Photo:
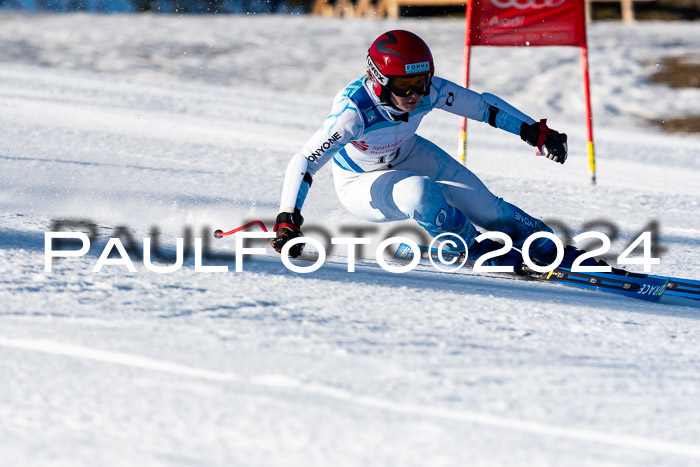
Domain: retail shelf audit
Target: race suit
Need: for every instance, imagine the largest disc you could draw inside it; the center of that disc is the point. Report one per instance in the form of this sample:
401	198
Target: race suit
384	172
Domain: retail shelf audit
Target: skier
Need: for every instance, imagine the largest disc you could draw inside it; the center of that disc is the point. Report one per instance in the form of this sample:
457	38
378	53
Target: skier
384	172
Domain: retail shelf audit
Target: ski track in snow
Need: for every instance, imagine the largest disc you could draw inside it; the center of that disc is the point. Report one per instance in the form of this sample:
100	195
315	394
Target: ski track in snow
188	122
284	382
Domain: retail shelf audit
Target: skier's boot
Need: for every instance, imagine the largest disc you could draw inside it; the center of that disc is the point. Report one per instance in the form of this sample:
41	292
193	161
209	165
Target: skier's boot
570	255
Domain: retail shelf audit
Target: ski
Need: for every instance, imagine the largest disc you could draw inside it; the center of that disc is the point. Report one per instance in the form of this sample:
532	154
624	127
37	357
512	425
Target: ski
677	287
685	288
642	288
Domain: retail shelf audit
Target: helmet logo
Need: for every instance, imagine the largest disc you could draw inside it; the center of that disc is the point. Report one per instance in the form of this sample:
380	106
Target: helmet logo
422	67
375	71
381	45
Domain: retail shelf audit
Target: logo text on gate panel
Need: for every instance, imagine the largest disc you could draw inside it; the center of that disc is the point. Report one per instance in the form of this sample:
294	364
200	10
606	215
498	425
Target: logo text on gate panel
525	4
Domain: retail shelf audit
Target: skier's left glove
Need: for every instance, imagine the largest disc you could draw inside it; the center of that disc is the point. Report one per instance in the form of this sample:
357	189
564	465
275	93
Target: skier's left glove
287	227
551	143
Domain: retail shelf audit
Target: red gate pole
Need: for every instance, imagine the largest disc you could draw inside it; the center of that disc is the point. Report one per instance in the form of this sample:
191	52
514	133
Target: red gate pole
589	116
467	57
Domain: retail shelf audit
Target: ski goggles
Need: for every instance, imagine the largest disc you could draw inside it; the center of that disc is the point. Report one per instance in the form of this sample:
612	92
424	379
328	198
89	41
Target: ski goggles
404	86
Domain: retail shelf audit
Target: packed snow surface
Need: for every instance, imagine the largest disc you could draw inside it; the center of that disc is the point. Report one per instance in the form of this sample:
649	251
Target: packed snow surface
128	124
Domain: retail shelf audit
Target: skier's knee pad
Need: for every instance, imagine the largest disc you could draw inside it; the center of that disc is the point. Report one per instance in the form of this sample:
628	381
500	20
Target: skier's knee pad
416	195
421	198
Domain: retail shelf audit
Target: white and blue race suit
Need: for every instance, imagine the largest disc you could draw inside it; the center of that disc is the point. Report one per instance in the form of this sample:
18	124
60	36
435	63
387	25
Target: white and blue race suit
384	172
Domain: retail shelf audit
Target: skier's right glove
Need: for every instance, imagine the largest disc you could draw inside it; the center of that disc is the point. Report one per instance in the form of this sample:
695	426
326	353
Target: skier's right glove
287	227
551	143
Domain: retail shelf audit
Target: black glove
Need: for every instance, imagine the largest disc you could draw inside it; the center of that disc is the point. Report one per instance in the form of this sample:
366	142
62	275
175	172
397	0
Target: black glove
551	143
287	227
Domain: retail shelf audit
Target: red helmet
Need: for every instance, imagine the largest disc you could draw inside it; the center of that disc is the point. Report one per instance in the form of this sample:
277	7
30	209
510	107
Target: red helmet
399	53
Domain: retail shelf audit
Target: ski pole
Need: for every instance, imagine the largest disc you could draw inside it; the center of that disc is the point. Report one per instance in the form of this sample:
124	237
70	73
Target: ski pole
220	233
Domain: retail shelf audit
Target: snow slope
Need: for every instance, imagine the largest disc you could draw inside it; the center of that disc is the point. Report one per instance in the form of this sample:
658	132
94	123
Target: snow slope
188	122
